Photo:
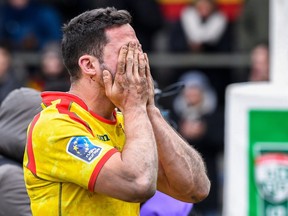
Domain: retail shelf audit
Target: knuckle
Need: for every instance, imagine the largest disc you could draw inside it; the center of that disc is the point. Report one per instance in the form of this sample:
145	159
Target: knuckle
130	59
143	81
121	64
142	67
136	63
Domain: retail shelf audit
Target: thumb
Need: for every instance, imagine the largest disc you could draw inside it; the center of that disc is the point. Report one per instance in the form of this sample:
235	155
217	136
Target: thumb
107	79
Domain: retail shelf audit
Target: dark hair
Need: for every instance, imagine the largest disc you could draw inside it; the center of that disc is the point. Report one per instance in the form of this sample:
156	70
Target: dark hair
85	34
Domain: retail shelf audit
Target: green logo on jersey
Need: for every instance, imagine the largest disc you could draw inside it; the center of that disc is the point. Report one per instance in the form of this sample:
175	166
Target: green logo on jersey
104	137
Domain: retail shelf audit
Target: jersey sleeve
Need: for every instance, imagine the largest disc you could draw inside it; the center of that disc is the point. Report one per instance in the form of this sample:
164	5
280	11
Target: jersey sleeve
65	151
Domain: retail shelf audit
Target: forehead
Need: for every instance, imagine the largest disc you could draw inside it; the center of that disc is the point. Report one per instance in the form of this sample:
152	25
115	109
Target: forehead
121	35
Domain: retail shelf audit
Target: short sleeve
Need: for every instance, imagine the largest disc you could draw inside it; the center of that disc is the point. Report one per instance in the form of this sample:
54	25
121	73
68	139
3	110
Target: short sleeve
68	152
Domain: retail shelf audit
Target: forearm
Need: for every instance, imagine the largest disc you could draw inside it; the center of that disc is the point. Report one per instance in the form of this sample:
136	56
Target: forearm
140	150
184	174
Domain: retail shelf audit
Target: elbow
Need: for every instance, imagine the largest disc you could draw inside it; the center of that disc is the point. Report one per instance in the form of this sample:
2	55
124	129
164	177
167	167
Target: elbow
194	191
143	190
146	193
200	192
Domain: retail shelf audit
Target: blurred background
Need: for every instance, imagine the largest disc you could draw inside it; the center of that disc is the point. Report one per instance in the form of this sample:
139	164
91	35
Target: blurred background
205	45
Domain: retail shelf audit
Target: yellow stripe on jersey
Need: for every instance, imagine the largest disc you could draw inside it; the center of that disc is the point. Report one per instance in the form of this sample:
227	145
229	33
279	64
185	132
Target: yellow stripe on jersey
66	148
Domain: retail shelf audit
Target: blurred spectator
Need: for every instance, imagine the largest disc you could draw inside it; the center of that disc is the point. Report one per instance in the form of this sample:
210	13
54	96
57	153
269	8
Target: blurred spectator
195	102
147	17
14	200
201	122
202	27
259	63
8	80
163	205
52	75
16	112
28	25
253	25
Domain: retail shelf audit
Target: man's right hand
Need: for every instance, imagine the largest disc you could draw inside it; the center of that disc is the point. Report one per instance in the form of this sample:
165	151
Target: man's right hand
130	87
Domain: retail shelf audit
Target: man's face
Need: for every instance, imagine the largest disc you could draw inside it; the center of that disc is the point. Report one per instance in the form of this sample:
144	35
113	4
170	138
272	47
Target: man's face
117	37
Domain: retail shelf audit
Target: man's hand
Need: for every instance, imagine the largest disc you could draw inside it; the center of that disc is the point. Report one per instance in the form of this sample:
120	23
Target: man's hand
130	86
135	168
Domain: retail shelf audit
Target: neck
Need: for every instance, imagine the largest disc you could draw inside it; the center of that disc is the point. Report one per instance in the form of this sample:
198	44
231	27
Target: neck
94	97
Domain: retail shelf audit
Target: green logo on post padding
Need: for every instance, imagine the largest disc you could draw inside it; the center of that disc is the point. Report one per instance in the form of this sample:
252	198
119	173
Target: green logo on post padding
268	163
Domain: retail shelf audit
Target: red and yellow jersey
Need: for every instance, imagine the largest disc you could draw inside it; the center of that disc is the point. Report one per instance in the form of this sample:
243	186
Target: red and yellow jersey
67	145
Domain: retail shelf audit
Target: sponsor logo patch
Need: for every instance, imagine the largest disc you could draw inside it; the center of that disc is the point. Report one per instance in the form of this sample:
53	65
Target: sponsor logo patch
82	148
104	137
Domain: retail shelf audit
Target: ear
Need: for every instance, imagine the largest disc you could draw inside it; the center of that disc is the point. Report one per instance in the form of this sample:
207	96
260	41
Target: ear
88	64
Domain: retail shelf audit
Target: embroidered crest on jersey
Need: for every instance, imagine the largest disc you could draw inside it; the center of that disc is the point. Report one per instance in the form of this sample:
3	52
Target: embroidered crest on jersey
82	148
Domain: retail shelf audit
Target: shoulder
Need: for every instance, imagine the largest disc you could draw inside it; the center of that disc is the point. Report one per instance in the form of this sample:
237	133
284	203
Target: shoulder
54	119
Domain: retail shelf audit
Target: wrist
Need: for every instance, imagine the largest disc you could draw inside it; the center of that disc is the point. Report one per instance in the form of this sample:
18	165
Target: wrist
133	109
151	107
152	110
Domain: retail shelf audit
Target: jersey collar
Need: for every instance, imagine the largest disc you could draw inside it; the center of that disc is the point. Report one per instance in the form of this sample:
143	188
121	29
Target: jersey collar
49	96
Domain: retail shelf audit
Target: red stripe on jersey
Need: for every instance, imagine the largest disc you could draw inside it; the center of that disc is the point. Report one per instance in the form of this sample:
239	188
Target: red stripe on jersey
31	159
98	167
107	121
64	108
48	97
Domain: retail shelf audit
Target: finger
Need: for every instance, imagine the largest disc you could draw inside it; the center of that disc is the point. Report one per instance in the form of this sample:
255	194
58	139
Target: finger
150	81
122	60
142	65
140	48
147	67
129	59
136	63
107	79
148	73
